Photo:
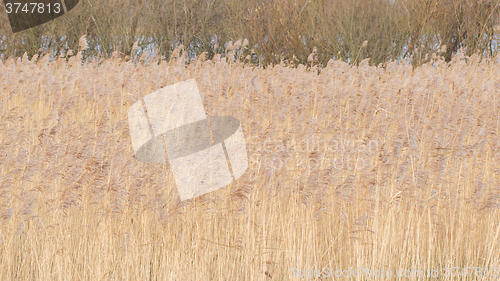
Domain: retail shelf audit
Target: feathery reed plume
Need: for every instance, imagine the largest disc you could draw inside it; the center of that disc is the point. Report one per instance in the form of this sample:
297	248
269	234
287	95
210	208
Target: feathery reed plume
229	46
236	45
83	43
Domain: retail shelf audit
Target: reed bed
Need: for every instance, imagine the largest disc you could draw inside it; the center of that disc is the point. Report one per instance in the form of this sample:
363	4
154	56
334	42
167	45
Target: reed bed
382	168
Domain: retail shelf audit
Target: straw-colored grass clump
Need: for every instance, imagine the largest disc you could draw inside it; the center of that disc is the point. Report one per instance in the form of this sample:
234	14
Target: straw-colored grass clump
385	169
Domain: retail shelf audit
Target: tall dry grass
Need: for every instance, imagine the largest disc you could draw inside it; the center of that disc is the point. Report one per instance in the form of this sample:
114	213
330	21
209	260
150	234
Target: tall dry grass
388	169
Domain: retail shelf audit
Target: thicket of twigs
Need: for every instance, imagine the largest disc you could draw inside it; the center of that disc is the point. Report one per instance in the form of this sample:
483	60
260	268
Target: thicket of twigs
276	30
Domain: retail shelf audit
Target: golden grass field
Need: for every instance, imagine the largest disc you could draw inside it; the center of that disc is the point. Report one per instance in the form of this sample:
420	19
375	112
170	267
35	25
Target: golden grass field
394	168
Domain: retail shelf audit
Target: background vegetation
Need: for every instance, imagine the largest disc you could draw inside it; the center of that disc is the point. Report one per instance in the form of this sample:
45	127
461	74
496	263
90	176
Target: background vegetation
276	30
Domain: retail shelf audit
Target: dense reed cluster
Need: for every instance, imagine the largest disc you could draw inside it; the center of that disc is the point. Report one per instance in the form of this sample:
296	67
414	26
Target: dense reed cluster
393	168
